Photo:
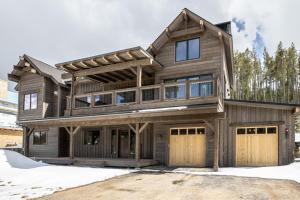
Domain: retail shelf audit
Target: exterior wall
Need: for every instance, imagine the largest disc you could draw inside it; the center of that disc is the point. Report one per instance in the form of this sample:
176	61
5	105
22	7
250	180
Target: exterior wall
103	149
50	149
162	138
50	99
260	116
209	61
31	83
10	136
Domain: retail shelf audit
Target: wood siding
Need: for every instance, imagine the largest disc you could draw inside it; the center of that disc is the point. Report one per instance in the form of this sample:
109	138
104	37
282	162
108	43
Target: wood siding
50	149
31	83
238	115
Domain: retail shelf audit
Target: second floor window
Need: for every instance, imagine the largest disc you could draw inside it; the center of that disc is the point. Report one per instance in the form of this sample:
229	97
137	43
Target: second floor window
187	49
30	101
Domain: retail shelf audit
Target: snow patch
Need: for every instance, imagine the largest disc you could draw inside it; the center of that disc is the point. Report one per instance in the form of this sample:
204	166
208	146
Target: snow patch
21	177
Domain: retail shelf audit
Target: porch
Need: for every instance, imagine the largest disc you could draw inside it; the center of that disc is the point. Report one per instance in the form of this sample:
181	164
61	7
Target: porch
98	162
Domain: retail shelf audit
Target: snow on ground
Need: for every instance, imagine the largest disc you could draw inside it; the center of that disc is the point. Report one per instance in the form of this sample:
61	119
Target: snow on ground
22	178
286	172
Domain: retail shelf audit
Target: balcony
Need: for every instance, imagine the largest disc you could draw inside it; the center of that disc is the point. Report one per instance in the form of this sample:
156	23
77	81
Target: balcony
192	92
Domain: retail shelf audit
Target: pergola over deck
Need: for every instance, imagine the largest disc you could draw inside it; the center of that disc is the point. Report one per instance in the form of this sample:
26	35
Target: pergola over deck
111	67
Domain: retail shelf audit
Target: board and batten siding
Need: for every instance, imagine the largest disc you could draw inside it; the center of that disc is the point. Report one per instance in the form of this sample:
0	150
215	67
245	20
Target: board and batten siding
31	83
162	141
245	115
50	149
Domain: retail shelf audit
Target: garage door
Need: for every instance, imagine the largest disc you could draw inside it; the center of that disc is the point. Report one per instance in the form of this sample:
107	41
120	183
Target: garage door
187	146
257	146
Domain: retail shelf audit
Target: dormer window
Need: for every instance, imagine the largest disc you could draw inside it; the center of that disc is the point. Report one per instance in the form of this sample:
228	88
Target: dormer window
30	101
187	49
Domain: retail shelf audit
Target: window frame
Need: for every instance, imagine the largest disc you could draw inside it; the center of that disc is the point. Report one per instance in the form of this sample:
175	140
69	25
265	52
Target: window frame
45	132
85	137
99	94
266	127
187	49
187	130
82	96
30	94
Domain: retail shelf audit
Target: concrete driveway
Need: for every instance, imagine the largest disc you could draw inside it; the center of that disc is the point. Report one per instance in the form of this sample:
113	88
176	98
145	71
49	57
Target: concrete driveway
175	186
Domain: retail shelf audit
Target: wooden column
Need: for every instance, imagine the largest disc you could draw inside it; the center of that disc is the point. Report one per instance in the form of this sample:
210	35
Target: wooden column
71	152
72	95
27	132
216	145
137	144
138	83
58	100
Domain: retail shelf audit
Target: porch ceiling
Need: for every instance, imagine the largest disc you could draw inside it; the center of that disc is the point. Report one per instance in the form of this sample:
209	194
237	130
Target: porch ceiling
185	115
111	67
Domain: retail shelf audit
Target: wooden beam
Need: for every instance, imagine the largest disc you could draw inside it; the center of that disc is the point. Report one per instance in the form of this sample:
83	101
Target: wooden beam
76	130
143	127
71	150
137	144
138	83
216	145
97	79
58	100
116	76
211	126
72	95
14	78
109	78
194	30
167	32
132	128
113	67
125	74
131	55
133	70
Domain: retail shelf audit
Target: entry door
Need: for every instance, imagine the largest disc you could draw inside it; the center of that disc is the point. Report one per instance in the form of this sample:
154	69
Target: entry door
257	146
187	147
123	143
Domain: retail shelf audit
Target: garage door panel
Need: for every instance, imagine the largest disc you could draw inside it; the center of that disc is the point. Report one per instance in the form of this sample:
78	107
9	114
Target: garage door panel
257	149
187	150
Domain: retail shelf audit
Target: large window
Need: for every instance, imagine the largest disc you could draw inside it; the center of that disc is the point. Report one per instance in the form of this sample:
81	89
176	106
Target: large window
188	49
30	101
83	102
91	137
203	87
39	137
103	99
175	91
125	97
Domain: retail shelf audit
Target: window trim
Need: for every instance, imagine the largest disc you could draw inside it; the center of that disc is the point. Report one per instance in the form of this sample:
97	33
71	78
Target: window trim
30	100
187	51
187	130
256	127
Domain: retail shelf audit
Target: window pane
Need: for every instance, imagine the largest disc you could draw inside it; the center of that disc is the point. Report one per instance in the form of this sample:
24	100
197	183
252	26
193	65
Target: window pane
34	101
191	131
43	137
194	48
181	50
36	138
174	131
250	130
125	97
175	92
261	130
150	94
201	89
27	102
241	131
81	102
182	131
200	130
103	99
271	130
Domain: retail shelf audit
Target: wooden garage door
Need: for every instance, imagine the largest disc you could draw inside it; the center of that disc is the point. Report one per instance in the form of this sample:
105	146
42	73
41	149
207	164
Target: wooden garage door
257	146
187	147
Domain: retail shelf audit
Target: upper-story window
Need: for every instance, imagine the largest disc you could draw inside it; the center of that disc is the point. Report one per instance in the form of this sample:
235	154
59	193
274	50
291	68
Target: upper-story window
188	49
30	101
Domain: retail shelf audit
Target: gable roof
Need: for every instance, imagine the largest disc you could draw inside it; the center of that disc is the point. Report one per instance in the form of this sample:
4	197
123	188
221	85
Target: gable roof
203	24
42	68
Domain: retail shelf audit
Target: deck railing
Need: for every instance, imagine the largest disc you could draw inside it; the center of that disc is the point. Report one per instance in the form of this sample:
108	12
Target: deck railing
191	89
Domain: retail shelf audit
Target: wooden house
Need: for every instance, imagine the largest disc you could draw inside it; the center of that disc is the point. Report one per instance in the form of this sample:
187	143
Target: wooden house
168	105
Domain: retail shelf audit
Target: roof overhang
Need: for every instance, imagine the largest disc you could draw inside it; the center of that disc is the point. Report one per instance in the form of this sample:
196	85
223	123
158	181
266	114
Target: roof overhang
117	65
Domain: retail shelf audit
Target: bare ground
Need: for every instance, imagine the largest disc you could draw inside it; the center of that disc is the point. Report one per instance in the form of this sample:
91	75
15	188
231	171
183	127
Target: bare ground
182	186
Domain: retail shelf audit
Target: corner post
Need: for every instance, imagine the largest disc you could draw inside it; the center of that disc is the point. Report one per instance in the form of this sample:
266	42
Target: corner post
72	95
216	145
